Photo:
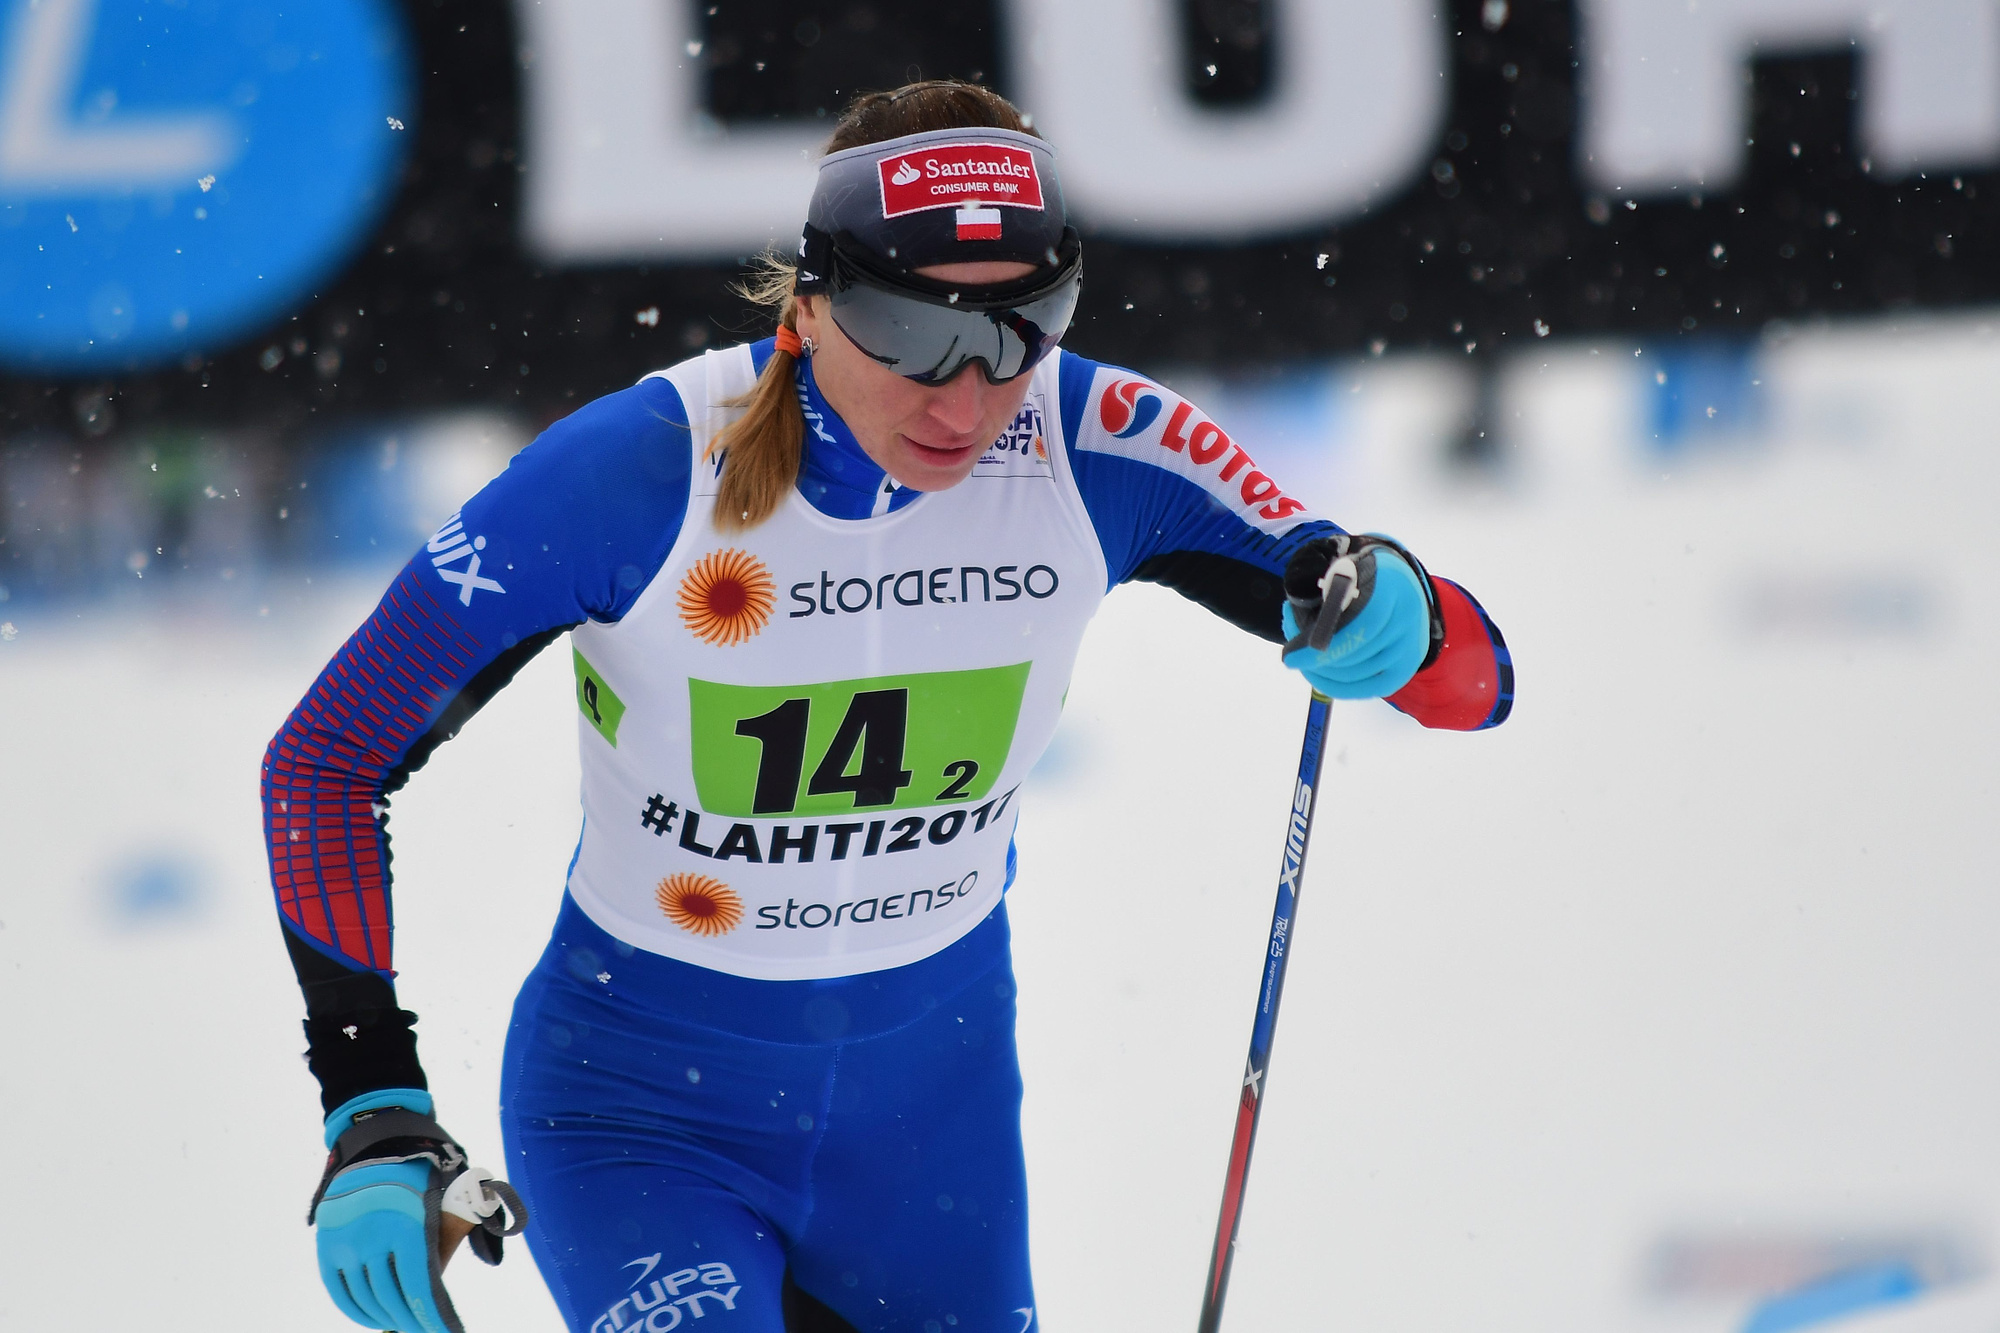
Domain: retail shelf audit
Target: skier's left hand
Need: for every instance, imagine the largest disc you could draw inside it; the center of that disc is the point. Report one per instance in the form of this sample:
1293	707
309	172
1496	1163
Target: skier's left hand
1374	639
396	1199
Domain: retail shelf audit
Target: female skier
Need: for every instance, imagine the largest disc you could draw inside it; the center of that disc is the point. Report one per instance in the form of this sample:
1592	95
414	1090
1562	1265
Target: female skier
824	593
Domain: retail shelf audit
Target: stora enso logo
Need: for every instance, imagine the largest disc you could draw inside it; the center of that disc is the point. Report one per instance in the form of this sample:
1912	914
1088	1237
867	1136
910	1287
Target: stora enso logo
1128	407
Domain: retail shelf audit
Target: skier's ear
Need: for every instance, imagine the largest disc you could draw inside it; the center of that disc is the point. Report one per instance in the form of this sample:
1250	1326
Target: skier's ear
811	311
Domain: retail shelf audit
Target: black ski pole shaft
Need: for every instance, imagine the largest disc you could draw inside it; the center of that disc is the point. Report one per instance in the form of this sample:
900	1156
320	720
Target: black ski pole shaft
1298	831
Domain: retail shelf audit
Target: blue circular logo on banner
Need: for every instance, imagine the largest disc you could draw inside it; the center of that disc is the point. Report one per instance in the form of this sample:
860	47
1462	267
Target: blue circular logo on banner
174	173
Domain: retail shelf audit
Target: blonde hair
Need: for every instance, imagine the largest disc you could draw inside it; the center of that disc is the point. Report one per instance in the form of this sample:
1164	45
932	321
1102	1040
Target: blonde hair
761	450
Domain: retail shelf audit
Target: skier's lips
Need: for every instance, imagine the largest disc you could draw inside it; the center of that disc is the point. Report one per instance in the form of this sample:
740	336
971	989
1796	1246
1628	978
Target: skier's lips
942	456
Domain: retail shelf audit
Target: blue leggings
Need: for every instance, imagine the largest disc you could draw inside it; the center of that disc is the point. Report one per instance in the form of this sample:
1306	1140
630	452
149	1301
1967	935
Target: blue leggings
861	1136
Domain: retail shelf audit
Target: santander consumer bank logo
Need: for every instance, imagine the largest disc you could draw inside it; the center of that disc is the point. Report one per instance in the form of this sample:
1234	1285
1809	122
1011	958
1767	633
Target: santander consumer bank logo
965	176
1128	407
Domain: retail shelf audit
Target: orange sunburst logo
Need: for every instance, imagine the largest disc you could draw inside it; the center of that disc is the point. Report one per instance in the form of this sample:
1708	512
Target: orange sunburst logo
1041	450
727	597
698	904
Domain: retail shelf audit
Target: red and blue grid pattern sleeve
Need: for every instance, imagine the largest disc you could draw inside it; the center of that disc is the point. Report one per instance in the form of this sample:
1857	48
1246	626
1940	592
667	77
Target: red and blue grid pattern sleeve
1175	500
576	526
327	769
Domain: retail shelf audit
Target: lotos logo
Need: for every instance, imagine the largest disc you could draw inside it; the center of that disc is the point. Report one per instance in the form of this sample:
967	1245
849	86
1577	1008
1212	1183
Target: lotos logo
1129	413
727	597
975	177
1128	408
699	904
1206	446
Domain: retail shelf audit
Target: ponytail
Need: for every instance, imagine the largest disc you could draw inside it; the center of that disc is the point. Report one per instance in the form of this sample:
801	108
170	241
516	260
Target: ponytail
761	449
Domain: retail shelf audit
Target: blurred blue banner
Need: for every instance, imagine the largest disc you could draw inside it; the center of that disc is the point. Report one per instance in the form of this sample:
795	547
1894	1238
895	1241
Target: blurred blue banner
1837	1297
176	172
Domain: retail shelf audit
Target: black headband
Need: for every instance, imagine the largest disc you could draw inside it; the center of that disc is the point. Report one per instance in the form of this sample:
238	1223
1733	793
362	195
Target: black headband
941	197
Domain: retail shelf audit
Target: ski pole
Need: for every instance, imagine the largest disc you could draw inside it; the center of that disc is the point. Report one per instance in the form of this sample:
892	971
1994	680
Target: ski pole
1298	832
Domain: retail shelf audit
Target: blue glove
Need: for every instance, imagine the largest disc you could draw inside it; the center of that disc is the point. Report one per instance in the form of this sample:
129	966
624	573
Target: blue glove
391	1174
1360	618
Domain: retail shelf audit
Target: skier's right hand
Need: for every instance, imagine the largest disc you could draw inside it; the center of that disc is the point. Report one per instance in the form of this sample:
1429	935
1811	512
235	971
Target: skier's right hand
1359	616
393	1180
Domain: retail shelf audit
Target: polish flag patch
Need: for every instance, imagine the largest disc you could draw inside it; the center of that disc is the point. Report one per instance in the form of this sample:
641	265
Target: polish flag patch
978	224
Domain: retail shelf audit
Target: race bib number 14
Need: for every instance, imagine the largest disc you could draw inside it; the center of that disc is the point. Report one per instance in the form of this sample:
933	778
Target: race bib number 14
880	743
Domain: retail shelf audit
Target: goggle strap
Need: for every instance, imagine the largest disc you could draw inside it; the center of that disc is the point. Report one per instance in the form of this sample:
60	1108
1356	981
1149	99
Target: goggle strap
815	268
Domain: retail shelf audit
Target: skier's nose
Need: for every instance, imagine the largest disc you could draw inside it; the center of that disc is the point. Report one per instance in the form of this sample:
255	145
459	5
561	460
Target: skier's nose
955	404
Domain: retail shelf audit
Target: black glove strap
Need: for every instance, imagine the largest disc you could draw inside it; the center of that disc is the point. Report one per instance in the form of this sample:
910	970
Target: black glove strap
415	1134
395	1134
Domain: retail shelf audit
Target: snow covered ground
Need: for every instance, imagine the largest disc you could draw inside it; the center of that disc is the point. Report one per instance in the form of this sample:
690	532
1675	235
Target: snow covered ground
1693	957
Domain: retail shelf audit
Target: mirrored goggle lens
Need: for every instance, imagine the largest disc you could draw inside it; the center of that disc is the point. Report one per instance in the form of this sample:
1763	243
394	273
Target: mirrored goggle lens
931	343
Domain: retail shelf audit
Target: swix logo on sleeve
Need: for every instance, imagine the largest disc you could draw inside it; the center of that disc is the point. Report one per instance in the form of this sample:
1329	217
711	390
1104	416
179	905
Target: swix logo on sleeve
1128	424
973	178
448	548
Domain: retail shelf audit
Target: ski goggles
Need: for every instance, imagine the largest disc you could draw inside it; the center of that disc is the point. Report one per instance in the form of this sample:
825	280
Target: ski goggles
929	331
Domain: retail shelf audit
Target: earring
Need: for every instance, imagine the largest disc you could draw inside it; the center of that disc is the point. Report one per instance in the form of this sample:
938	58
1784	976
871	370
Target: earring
807	346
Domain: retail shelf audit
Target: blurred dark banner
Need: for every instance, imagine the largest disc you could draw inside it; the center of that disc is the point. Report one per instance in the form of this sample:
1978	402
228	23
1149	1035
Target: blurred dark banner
1500	216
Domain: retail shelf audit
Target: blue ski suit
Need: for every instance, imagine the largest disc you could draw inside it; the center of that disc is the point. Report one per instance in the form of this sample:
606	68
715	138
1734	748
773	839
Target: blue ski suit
697	1145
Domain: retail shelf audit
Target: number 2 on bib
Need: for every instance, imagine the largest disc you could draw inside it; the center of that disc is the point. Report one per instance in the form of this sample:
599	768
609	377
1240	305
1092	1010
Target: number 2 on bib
879	743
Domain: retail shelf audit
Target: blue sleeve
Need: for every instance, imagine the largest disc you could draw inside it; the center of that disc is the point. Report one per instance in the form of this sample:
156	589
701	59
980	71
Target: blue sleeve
1174	500
578	524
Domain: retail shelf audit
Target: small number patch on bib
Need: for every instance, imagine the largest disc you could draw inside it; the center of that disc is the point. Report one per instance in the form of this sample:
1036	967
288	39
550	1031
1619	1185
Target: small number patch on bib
600	704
